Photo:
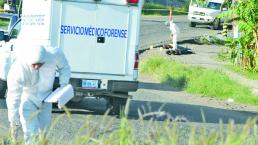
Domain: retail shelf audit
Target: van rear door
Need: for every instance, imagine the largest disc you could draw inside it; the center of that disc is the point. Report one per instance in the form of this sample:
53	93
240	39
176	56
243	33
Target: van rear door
94	37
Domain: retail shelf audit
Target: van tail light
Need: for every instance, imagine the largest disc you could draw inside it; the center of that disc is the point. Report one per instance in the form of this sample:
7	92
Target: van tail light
132	1
136	61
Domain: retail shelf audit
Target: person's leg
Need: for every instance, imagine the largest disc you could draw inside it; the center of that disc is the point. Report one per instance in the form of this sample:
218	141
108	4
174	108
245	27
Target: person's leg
13	117
45	116
14	132
45	120
174	42
29	120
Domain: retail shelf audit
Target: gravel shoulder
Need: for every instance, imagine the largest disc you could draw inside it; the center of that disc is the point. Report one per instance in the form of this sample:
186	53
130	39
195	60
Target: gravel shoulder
205	56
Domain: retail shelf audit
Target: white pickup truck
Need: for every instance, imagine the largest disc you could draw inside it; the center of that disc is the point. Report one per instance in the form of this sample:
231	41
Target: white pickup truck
208	14
100	39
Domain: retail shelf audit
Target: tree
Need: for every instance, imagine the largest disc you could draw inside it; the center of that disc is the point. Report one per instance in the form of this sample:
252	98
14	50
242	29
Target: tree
244	49
2	3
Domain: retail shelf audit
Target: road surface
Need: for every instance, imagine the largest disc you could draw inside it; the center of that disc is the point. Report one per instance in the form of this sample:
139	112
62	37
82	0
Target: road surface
154	31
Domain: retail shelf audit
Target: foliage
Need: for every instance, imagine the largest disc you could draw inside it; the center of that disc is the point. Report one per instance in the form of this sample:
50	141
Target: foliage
223	55
4	24
246	73
155	132
2	3
186	5
244	49
197	80
200	3
151	8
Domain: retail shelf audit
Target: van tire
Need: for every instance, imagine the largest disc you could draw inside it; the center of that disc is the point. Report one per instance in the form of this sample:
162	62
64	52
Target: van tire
192	24
116	105
3	88
216	24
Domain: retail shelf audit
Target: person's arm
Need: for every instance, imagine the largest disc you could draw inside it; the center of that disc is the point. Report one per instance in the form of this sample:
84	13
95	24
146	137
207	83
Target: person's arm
63	69
15	88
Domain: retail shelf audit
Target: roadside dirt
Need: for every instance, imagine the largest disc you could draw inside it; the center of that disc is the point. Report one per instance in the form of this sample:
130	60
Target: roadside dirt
202	55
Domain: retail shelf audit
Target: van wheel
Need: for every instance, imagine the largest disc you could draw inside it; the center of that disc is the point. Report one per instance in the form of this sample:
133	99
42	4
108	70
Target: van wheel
3	88
216	24
116	105
192	24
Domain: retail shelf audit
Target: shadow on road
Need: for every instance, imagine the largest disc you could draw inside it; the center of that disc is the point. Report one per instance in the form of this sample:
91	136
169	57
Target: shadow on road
185	112
161	111
164	86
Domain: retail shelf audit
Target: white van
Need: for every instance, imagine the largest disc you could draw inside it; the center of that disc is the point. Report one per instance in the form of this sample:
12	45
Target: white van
207	14
100	39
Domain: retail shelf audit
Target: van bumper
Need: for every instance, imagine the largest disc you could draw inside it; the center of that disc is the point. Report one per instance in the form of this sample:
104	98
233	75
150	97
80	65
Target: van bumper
115	86
200	19
122	86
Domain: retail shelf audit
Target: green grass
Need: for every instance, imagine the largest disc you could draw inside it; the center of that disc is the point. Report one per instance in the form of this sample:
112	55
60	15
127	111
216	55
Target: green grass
225	56
2	3
161	10
4	24
197	80
155	133
247	73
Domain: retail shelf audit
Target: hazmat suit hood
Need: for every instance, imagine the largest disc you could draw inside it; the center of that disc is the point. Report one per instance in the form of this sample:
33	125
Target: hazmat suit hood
33	54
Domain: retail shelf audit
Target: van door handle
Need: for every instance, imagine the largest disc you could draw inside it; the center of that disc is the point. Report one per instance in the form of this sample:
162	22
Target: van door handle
100	39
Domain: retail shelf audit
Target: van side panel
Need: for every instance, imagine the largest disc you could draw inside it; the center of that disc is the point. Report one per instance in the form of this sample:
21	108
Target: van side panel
56	17
35	23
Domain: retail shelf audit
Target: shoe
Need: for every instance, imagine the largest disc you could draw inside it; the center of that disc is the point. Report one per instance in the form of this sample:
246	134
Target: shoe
168	52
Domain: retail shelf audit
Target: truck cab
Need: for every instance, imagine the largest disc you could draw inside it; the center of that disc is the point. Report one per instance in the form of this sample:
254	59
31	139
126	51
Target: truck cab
207	14
7	21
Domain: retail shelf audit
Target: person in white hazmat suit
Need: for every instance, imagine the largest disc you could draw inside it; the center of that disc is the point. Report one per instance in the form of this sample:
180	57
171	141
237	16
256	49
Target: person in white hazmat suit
174	34
30	80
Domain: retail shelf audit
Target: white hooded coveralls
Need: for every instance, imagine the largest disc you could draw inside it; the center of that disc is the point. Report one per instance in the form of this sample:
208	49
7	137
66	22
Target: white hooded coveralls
27	87
174	32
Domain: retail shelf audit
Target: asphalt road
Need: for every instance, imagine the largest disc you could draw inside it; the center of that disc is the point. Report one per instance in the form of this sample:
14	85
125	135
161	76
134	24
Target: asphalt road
141	115
145	104
154	32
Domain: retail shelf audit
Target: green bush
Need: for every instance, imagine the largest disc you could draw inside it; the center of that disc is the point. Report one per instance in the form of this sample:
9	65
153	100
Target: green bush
158	9
244	49
2	3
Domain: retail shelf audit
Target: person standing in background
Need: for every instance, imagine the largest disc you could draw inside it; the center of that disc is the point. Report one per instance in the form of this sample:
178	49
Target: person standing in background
174	34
